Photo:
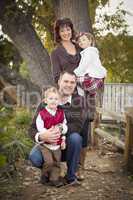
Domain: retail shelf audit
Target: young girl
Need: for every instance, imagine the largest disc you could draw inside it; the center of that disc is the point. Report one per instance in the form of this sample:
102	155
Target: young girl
90	71
52	116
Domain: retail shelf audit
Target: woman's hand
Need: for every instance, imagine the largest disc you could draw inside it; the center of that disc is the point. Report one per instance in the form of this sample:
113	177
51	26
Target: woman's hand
51	135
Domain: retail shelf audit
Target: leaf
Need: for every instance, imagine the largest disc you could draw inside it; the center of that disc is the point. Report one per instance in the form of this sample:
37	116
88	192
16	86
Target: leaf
2	160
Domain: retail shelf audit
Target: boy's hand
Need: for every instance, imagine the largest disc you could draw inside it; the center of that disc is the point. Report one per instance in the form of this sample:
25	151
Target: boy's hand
63	143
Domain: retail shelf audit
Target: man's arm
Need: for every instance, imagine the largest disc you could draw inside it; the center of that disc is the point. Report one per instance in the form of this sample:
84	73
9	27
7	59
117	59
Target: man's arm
33	129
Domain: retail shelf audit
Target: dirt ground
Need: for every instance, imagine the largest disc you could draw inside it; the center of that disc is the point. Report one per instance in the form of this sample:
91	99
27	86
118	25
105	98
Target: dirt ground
105	179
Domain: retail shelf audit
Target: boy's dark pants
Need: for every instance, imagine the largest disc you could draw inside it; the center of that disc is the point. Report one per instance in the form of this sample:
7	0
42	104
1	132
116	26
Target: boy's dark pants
51	166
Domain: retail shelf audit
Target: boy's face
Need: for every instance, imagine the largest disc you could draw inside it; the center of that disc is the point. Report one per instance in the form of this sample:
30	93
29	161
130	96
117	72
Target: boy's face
84	42
52	100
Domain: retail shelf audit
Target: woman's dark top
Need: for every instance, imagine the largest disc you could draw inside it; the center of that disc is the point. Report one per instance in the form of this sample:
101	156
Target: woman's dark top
61	61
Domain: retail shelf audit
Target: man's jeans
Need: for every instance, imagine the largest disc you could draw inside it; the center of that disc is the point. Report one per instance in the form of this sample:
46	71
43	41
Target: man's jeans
74	145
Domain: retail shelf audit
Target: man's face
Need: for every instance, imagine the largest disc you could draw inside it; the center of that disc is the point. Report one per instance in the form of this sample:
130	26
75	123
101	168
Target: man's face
67	84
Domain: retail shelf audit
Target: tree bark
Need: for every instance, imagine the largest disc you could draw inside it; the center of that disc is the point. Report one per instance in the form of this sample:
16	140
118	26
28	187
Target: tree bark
21	91
77	11
20	30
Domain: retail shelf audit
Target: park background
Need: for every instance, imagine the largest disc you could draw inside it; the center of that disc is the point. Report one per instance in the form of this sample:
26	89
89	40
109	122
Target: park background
26	40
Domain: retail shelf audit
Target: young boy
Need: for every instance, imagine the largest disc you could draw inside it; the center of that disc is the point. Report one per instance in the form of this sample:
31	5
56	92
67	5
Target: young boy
52	116
90	71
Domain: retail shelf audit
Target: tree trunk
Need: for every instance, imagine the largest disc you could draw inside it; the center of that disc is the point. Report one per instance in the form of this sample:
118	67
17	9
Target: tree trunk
20	30
17	90
77	11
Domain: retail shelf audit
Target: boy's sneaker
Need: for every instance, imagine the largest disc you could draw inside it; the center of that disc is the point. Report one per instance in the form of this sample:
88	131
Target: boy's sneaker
44	180
56	183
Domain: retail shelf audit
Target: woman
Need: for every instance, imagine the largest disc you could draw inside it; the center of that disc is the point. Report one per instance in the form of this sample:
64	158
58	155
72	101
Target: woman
66	57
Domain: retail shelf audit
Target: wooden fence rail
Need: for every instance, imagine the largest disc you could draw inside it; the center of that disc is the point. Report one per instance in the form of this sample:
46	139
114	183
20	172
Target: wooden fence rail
117	96
127	146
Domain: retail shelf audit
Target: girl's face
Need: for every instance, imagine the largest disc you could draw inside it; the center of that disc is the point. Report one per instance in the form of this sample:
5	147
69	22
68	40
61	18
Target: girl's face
65	33
84	42
52	100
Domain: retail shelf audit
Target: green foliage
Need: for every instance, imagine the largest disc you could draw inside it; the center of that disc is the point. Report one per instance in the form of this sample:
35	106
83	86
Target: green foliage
22	117
111	23
116	47
23	70
9	55
2	160
116	54
43	22
116	22
49	44
92	7
14	141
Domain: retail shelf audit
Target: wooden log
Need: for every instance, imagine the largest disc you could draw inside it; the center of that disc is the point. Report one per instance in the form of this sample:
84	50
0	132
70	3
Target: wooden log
110	138
129	139
113	115
98	117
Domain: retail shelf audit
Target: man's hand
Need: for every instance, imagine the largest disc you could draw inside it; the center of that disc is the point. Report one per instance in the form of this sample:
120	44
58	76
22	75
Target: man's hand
51	135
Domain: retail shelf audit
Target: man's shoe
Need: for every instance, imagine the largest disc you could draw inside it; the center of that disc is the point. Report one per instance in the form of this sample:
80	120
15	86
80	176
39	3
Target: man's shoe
74	183
80	174
80	177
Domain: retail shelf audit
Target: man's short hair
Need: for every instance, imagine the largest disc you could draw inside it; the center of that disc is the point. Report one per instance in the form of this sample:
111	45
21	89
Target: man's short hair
67	72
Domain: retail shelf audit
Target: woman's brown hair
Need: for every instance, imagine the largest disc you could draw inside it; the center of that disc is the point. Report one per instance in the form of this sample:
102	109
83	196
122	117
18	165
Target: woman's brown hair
62	23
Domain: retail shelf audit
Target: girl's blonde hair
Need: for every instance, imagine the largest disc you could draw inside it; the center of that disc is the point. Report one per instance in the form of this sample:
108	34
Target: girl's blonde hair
88	35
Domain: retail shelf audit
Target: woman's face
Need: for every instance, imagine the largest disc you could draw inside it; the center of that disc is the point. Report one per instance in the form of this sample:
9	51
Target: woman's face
65	33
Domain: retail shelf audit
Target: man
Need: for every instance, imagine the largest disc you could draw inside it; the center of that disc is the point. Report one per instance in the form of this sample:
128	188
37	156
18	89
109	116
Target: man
75	108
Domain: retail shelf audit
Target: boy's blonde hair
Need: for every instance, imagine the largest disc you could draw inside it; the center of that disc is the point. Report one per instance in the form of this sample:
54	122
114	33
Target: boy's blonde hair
88	35
51	89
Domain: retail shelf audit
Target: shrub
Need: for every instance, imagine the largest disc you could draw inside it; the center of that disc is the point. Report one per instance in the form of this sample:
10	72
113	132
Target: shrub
14	141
